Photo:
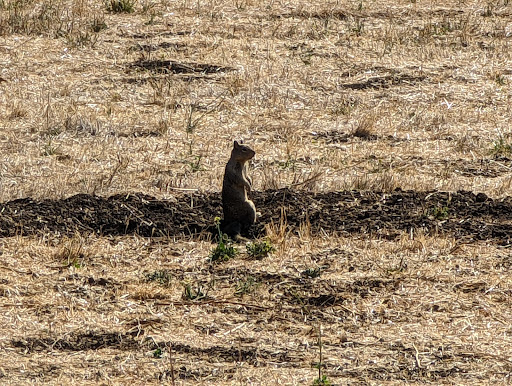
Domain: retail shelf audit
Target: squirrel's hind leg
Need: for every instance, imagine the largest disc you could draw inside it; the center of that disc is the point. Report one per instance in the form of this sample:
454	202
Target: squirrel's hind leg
232	229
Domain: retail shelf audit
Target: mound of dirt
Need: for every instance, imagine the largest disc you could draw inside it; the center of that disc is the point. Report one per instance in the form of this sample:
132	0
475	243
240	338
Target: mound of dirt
463	214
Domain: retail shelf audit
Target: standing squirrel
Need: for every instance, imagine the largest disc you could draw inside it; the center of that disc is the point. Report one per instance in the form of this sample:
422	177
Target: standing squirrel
239	211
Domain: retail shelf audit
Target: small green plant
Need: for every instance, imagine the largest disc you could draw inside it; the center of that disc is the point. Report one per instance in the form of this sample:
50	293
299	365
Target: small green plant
440	212
192	123
195	166
289	163
224	250
501	147
121	6
157	353
49	149
245	286
323	381
312	272
500	79
259	250
72	252
190	293
162	277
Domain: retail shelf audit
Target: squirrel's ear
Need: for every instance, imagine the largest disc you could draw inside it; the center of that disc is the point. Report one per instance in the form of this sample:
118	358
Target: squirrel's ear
236	145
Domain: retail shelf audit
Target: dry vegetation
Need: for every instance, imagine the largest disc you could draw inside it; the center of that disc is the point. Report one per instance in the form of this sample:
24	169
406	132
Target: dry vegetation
334	96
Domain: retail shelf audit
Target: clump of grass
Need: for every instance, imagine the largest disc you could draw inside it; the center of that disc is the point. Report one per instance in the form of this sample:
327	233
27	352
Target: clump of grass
191	293
49	149
501	147
343	107
246	286
440	212
224	250
72	252
312	272
98	24
365	128
81	39
162	277
259	250
49	18
121	6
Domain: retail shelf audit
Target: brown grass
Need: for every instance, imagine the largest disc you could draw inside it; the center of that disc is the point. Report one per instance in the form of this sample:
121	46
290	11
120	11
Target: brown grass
333	96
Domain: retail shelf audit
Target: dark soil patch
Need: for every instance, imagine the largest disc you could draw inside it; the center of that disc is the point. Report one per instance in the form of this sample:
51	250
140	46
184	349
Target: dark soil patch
462	214
173	67
336	14
116	215
336	136
321	294
483	167
194	375
78	342
156	47
380	82
250	354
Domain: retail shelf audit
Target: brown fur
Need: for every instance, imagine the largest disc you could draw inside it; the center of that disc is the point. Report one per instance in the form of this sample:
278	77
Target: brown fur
237	207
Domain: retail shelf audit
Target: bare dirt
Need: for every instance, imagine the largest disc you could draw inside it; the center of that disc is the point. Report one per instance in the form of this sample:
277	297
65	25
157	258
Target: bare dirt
464	215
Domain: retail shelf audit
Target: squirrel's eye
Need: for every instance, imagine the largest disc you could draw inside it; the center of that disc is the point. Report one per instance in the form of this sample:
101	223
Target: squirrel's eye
244	150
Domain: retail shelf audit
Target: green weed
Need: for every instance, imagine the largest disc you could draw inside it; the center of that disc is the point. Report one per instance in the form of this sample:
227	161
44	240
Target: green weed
259	250
197	293
72	252
121	6
195	166
49	149
162	277
440	212
246	286
157	353
312	272
501	147
224	250
323	381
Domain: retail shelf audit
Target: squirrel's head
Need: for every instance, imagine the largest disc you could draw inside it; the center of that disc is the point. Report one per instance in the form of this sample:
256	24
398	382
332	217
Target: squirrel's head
242	152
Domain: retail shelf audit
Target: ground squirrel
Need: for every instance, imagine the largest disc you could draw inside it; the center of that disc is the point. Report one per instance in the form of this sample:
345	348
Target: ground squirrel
239	211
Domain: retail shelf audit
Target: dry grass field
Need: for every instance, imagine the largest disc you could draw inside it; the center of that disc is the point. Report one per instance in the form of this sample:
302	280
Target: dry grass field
383	174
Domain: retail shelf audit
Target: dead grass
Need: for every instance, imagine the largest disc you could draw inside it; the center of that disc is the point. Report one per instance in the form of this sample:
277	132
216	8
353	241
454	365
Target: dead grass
290	74
421	309
333	96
